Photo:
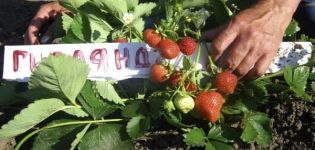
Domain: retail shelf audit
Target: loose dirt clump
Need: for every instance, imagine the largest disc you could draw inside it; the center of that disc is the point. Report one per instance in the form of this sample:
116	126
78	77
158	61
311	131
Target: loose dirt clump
293	124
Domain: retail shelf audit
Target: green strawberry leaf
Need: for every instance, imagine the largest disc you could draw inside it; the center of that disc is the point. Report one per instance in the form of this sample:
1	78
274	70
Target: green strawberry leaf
79	30
292	28
194	3
66	22
175	119
186	63
115	7
137	126
92	102
56	138
29	117
156	101
256	90
134	109
78	112
138	24
61	74
257	129
79	136
215	145
72	5
313	86
99	28
108	92
195	137
297	80
216	133
203	79
90	93
142	9
8	94
220	11
106	136
132	3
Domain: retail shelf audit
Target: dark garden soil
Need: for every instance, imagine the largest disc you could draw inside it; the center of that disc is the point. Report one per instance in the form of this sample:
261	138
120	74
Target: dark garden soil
293	121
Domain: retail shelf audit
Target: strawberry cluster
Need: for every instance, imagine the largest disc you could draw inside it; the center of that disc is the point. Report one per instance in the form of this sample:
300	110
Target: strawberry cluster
209	103
169	48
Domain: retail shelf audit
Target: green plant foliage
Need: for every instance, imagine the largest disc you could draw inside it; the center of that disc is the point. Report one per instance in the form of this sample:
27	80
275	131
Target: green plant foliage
92	102
196	137
216	133
66	22
29	117
108	92
220	11
73	5
79	136
297	79
143	9
78	112
62	74
8	94
292	29
106	137
257	129
137	126
214	145
56	138
195	3
134	109
117	7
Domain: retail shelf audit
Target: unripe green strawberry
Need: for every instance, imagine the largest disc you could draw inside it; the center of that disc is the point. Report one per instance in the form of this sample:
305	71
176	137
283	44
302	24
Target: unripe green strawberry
225	82
209	104
169	106
168	49
151	37
184	103
187	45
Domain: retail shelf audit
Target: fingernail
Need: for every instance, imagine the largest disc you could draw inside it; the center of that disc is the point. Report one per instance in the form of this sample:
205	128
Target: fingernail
44	39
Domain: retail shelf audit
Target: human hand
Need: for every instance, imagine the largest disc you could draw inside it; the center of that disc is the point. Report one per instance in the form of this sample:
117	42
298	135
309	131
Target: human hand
249	41
46	13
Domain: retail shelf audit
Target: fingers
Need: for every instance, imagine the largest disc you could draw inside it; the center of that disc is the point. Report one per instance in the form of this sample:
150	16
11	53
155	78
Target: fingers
33	30
234	55
260	66
224	39
247	63
45	13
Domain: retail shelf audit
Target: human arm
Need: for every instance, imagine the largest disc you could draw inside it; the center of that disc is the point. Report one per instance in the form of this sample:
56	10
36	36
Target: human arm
250	40
47	12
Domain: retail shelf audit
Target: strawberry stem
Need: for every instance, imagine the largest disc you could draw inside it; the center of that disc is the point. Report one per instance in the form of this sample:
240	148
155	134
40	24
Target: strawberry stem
63	124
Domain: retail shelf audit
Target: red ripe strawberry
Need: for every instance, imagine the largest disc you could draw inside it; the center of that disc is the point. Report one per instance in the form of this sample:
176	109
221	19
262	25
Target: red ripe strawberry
225	82
120	40
191	87
151	37
187	45
158	73
168	49
175	78
208	105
